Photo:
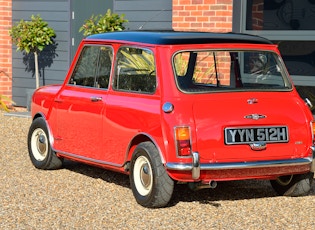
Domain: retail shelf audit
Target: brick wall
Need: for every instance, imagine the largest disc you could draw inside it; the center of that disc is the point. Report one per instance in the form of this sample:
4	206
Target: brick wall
5	48
203	15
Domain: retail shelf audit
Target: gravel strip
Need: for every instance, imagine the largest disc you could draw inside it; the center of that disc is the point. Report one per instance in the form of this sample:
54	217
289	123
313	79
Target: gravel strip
83	197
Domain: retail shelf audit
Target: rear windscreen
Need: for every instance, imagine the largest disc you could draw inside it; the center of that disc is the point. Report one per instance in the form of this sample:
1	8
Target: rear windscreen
202	71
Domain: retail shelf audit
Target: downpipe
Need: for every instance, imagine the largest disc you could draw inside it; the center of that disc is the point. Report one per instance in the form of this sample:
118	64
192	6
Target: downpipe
195	186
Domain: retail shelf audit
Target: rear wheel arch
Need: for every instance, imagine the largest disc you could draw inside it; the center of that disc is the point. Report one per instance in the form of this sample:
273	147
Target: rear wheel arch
140	138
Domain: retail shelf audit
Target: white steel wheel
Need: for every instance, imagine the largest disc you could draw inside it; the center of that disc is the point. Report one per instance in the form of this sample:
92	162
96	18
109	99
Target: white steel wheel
39	149
39	144
151	185
142	175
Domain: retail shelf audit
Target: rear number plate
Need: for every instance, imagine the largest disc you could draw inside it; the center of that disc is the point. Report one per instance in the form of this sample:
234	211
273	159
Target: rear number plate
247	135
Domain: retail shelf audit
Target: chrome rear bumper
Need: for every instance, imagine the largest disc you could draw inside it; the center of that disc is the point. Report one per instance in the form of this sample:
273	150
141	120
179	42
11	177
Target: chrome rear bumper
196	167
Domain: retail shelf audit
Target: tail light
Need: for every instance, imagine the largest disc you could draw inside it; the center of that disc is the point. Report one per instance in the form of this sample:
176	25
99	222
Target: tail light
183	143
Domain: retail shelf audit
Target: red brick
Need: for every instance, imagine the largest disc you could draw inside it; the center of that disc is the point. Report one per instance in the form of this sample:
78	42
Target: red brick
190	19
196	1
218	7
224	2
203	8
210	2
218	19
177	8
203	19
184	2
196	25
190	7
184	13
196	13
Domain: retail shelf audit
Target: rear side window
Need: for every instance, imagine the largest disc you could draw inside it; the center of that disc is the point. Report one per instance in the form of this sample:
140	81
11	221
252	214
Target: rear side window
93	67
203	71
135	70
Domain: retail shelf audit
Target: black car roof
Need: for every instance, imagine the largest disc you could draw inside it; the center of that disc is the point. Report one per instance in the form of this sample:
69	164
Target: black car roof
178	38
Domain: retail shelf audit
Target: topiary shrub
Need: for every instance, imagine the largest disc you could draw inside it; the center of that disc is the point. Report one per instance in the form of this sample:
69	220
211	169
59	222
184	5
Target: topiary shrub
32	37
108	22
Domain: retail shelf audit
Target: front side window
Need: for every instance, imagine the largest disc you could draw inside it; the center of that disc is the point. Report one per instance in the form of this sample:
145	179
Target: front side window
135	70
204	71
93	67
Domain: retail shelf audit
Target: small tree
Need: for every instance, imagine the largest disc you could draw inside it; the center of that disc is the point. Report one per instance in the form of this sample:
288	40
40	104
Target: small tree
32	36
103	23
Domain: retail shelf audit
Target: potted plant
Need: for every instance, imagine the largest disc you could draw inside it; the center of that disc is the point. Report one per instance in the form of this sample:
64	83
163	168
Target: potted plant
32	37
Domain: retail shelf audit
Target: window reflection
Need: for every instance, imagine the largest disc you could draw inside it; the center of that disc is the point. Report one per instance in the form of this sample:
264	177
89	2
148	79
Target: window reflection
299	56
280	15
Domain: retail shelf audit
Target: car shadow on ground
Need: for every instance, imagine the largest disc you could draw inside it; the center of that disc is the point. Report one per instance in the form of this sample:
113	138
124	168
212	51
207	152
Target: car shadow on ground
97	173
227	190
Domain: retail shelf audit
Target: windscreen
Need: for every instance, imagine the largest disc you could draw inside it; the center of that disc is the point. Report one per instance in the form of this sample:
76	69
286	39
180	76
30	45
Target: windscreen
203	71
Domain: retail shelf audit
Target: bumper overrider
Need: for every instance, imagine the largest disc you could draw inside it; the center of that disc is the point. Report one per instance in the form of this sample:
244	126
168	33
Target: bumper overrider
195	167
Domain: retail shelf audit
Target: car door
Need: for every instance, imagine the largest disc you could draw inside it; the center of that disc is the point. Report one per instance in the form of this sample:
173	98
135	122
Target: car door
82	104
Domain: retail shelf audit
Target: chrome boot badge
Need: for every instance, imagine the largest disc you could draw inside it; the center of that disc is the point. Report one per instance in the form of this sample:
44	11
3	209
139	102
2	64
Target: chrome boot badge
255	116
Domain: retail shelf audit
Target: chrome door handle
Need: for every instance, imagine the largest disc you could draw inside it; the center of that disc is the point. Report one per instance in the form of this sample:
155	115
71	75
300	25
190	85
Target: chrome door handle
95	99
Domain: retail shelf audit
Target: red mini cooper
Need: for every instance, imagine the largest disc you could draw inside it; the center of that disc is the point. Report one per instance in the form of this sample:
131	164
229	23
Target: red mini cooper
177	107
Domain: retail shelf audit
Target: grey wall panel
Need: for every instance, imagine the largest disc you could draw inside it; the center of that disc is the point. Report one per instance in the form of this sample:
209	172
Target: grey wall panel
57	65
40	6
82	10
142	5
48	16
146	14
61	51
54	64
149	26
27	81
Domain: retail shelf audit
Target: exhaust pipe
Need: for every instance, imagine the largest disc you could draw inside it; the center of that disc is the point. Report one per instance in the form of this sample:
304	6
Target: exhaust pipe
199	185
213	184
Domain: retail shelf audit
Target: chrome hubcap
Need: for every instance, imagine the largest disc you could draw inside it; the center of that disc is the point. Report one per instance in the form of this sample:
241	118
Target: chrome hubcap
143	176
39	144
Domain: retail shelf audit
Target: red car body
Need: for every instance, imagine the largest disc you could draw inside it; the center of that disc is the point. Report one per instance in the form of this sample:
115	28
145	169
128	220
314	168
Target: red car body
221	132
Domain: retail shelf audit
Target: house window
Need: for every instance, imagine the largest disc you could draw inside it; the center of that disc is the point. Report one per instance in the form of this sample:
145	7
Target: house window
278	15
288	23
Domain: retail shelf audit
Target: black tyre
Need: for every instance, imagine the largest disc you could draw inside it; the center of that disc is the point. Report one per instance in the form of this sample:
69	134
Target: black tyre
293	185
150	183
39	148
